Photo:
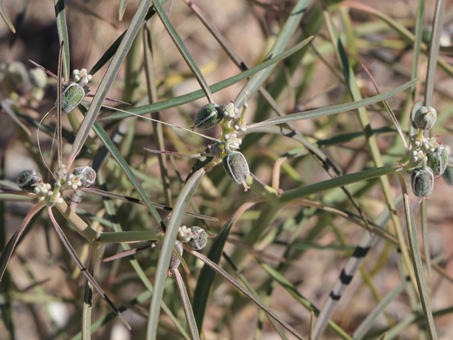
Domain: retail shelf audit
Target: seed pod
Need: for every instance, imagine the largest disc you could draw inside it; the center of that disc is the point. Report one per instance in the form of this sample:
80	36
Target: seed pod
73	94
438	161
425	117
38	78
174	261
236	166
198	238
422	180
16	78
208	116
28	179
88	173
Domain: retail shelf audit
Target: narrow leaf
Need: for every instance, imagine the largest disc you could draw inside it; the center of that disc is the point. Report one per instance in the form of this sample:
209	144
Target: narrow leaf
5	17
187	306
207	275
333	109
63	36
291	24
122	9
167	249
165	104
244	291
108	79
183	50
11	245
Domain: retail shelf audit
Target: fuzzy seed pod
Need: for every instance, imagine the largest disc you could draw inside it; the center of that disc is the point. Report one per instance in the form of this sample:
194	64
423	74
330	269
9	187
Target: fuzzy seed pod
38	78
28	179
16	78
198	238
236	166
208	116
73	94
88	173
438	161
174	261
422	180
425	117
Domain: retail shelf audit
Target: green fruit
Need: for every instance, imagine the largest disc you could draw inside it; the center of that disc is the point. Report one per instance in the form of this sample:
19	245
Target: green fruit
208	116
198	238
425	117
72	96
88	175
422	180
28	179
438	161
236	166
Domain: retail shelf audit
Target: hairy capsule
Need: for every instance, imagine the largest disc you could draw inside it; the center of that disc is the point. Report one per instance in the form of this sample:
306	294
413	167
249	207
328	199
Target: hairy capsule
208	116
88	175
73	94
425	117
236	166
422	180
198	238
28	179
437	161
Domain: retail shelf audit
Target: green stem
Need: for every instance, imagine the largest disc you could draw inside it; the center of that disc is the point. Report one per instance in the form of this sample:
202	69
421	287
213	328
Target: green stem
293	194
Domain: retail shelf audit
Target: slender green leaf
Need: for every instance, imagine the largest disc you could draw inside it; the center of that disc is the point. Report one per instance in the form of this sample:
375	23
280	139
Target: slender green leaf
5	17
166	251
102	135
244	291
183	50
122	9
332	109
291	24
82	268
186	304
8	105
207	275
63	35
134	263
107	81
401	30
434	52
165	104
417	262
366	324
7	252
301	299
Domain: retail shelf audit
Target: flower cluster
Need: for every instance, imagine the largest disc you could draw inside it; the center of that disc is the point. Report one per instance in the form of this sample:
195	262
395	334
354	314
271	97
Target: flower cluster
194	237
82	77
227	115
428	157
31	181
